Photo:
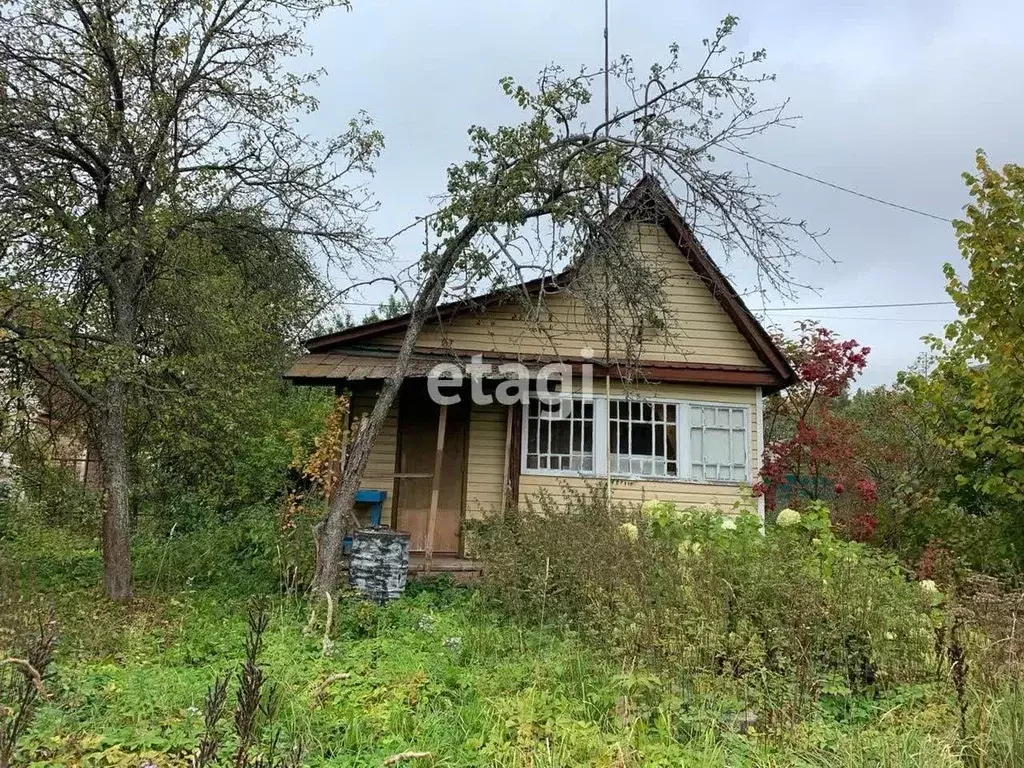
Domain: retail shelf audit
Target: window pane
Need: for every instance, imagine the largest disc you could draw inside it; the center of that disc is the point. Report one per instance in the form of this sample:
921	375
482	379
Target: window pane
643	440
697	445
716	446
560	436
739	448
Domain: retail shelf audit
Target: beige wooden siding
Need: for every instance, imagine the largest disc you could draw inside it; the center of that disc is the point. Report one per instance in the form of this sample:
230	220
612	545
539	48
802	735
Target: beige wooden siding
485	464
380	469
719	495
699	330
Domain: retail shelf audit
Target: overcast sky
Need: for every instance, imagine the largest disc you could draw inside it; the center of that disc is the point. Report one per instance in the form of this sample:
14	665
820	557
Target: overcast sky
894	98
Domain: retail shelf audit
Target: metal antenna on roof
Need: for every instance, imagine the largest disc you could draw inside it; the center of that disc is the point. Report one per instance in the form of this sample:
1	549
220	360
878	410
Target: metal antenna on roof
607	277
646	119
607	109
607	98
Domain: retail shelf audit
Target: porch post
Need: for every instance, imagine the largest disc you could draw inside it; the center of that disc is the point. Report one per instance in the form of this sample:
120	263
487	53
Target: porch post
435	488
513	455
507	478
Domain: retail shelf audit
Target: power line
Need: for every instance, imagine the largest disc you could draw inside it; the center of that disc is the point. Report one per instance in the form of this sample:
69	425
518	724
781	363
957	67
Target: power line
761	309
857	306
838	187
859	318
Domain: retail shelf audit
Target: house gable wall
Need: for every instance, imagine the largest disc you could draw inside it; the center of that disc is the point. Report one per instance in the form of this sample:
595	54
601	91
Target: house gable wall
698	328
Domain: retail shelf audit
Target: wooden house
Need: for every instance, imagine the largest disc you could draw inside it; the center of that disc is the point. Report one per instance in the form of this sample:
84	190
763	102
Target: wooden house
682	423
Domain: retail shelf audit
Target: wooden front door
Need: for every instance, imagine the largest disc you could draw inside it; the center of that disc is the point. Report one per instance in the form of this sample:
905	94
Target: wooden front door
418	418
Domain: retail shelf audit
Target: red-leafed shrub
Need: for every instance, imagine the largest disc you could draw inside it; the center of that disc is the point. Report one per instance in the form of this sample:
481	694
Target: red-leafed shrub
812	452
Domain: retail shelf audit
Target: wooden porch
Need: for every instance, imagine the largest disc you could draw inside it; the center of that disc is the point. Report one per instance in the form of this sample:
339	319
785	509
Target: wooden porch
459	568
421	471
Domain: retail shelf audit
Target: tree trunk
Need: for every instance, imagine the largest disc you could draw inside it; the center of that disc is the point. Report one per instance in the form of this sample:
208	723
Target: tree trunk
340	516
117	553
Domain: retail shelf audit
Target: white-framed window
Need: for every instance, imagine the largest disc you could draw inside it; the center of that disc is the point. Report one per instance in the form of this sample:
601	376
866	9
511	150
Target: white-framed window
561	436
643	438
719	442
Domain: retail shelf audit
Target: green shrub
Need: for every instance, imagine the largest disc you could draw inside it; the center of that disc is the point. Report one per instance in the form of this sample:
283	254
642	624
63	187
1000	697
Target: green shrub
249	552
796	610
49	493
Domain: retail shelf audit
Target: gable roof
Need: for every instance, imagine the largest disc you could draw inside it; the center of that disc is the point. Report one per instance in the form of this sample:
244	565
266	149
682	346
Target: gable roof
646	202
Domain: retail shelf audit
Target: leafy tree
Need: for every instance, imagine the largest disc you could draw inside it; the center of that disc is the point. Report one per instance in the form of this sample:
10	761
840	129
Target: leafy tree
535	195
812	452
984	365
214	435
972	402
895	446
127	129
386	310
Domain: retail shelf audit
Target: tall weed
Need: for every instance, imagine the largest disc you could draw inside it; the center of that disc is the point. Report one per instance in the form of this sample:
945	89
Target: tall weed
795	612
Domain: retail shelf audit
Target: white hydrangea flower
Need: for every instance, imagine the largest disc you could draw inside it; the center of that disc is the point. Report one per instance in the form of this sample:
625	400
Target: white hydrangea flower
728	524
928	585
660	508
687	547
629	530
649	506
787	517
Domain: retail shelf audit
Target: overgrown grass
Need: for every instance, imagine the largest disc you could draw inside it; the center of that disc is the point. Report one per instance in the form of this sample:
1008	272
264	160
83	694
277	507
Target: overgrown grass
438	671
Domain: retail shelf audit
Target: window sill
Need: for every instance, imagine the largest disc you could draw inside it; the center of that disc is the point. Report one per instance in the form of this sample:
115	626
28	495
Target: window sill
561	473
634	478
678	480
